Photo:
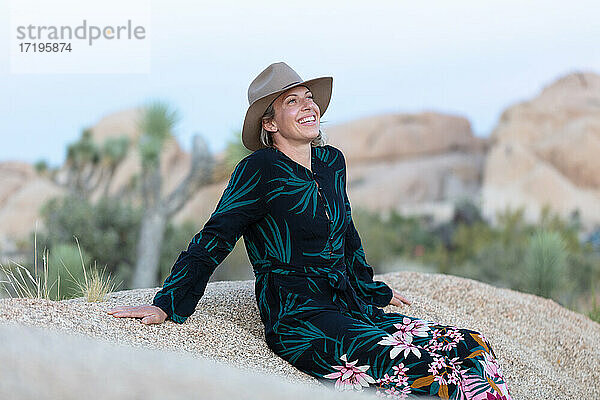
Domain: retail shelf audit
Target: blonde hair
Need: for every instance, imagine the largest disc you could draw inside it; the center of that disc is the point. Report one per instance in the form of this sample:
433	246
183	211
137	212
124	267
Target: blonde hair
266	137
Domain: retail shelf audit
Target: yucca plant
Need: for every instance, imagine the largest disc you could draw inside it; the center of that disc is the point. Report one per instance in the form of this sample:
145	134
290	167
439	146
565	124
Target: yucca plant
545	264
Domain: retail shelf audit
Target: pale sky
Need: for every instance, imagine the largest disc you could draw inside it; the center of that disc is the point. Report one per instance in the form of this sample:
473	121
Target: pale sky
468	58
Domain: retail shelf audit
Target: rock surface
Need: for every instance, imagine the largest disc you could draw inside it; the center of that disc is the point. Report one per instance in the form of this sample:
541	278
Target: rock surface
411	163
22	193
546	351
401	136
545	151
40	364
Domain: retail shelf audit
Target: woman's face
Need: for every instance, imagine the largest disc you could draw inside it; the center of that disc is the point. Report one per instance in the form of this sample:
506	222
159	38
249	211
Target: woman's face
296	118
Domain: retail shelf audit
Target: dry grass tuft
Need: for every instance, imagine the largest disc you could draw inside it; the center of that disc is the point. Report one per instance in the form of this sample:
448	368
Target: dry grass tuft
29	286
97	286
25	285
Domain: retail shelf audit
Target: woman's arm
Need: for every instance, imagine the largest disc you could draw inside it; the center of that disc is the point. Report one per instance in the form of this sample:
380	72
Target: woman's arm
242	204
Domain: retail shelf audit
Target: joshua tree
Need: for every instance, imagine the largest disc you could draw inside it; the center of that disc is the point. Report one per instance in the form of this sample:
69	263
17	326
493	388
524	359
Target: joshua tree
156	126
114	151
83	157
89	165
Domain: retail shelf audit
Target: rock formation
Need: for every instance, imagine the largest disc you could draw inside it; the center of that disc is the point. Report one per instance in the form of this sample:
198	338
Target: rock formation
545	151
411	163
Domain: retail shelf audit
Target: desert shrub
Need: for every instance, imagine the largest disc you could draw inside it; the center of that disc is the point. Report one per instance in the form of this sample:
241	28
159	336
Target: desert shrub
544	265
388	239
107	231
594	311
411	235
546	258
467	243
493	263
41	166
466	212
593	239
376	236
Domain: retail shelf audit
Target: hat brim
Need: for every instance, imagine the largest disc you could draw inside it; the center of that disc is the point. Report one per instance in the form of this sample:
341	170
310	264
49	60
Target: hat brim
321	89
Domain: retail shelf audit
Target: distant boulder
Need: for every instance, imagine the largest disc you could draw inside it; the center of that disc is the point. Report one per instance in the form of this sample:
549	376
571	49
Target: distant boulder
546	151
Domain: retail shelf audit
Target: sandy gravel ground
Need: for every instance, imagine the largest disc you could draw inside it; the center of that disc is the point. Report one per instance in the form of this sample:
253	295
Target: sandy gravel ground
546	351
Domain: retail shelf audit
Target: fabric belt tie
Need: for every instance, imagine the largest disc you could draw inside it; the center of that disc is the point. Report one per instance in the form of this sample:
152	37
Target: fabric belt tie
337	279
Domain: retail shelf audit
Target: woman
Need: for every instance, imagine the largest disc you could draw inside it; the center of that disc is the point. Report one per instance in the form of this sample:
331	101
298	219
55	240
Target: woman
314	288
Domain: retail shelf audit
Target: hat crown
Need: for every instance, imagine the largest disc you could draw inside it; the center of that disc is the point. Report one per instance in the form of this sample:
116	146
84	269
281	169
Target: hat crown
274	78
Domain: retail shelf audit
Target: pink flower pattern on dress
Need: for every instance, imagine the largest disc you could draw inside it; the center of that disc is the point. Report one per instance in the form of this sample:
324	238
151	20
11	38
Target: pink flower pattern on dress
402	339
496	396
410	328
350	377
491	366
444	339
395	386
400	346
445	371
470	382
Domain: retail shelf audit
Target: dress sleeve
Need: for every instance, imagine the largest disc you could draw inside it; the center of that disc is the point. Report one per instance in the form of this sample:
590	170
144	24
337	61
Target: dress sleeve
360	273
241	204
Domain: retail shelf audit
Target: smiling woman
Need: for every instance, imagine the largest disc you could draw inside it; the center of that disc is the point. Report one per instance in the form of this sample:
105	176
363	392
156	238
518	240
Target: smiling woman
296	122
318	302
266	136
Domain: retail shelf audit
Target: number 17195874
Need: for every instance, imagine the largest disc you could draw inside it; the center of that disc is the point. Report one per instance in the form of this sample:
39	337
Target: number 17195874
44	47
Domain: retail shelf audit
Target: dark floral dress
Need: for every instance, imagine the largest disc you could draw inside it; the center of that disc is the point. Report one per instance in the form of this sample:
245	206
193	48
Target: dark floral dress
315	290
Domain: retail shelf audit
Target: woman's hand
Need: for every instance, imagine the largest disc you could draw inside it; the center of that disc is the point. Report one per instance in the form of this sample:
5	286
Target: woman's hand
148	313
398	299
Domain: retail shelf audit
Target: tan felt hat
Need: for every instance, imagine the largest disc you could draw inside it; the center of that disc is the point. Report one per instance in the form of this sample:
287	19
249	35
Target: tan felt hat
264	89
